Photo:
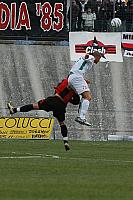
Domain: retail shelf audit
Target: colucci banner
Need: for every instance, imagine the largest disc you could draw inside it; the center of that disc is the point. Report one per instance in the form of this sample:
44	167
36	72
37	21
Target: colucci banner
33	18
87	42
26	128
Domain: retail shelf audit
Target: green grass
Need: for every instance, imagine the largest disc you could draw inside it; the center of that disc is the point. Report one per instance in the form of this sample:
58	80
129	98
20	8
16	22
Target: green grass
89	171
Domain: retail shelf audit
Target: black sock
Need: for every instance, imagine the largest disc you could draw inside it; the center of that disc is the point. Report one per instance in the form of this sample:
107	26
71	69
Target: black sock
15	110
64	133
65	141
26	108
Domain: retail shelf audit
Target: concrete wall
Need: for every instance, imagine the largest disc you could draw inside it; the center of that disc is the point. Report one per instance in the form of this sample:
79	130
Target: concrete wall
28	73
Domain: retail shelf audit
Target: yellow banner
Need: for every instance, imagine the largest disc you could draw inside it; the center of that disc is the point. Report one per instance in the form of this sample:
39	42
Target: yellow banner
26	128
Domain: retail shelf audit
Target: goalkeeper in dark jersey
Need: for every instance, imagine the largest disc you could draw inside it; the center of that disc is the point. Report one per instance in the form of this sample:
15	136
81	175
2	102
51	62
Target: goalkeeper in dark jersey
56	103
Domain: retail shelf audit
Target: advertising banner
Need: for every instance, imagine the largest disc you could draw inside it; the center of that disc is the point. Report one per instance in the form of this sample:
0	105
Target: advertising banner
33	18
87	42
127	43
26	128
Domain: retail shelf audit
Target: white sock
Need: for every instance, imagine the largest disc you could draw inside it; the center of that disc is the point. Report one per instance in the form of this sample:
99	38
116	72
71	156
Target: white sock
83	108
65	138
18	109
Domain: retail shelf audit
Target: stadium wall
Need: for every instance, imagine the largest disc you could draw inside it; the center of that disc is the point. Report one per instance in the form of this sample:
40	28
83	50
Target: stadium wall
29	73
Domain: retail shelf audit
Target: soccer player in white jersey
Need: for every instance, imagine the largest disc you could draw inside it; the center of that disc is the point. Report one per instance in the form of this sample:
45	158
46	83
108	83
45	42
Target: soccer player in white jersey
77	82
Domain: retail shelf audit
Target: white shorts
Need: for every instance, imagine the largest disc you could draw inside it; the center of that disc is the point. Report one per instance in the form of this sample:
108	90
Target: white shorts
77	82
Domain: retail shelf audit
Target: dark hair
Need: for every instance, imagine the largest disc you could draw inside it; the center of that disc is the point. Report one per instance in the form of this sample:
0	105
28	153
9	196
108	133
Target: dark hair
97	53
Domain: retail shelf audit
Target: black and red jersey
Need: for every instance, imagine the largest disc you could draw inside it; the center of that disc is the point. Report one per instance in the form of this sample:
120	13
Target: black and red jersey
66	93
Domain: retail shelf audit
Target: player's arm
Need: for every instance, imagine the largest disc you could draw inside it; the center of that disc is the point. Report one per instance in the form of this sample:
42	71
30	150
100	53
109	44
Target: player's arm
87	81
89	58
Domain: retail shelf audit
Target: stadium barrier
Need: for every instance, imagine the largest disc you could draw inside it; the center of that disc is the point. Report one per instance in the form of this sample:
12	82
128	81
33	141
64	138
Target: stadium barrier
120	137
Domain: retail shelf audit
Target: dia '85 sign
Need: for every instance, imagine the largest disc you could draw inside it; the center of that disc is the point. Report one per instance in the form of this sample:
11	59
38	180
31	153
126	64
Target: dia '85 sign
46	17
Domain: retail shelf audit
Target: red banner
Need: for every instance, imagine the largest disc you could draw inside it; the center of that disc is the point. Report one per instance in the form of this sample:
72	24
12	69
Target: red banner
127	43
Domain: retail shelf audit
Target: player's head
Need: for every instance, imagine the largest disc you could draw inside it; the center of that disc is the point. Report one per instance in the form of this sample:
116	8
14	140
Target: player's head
82	1
97	55
73	2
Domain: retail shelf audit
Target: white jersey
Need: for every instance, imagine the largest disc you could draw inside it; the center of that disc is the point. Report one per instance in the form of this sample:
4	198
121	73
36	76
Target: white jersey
82	65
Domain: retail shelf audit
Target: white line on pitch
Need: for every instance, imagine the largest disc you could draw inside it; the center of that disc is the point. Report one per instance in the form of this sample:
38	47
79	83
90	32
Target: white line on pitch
19	157
98	160
64	158
29	157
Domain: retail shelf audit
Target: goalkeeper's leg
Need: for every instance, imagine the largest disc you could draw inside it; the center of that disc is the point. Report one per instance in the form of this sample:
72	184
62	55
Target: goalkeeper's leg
40	105
25	108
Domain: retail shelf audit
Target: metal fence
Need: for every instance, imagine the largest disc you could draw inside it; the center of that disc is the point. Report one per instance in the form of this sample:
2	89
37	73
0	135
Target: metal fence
99	15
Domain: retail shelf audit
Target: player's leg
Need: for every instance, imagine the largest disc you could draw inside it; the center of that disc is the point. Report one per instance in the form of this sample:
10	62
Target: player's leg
25	108
64	135
40	105
78	83
83	108
59	113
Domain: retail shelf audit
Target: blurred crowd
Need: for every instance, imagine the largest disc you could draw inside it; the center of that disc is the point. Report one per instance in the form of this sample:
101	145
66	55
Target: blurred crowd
96	15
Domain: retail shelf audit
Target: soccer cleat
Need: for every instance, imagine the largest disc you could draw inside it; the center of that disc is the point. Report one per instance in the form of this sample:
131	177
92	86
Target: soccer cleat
82	121
11	108
67	147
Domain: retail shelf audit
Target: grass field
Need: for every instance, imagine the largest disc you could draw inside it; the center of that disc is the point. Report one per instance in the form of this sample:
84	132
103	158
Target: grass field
38	169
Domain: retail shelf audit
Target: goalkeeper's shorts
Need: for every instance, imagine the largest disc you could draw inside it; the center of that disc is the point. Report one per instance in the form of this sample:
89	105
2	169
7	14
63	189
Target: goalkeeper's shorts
55	104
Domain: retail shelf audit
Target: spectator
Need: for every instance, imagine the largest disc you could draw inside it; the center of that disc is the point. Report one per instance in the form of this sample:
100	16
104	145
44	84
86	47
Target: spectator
89	18
102	19
83	5
121	13
109	5
129	17
109	8
97	10
74	16
92	4
105	11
